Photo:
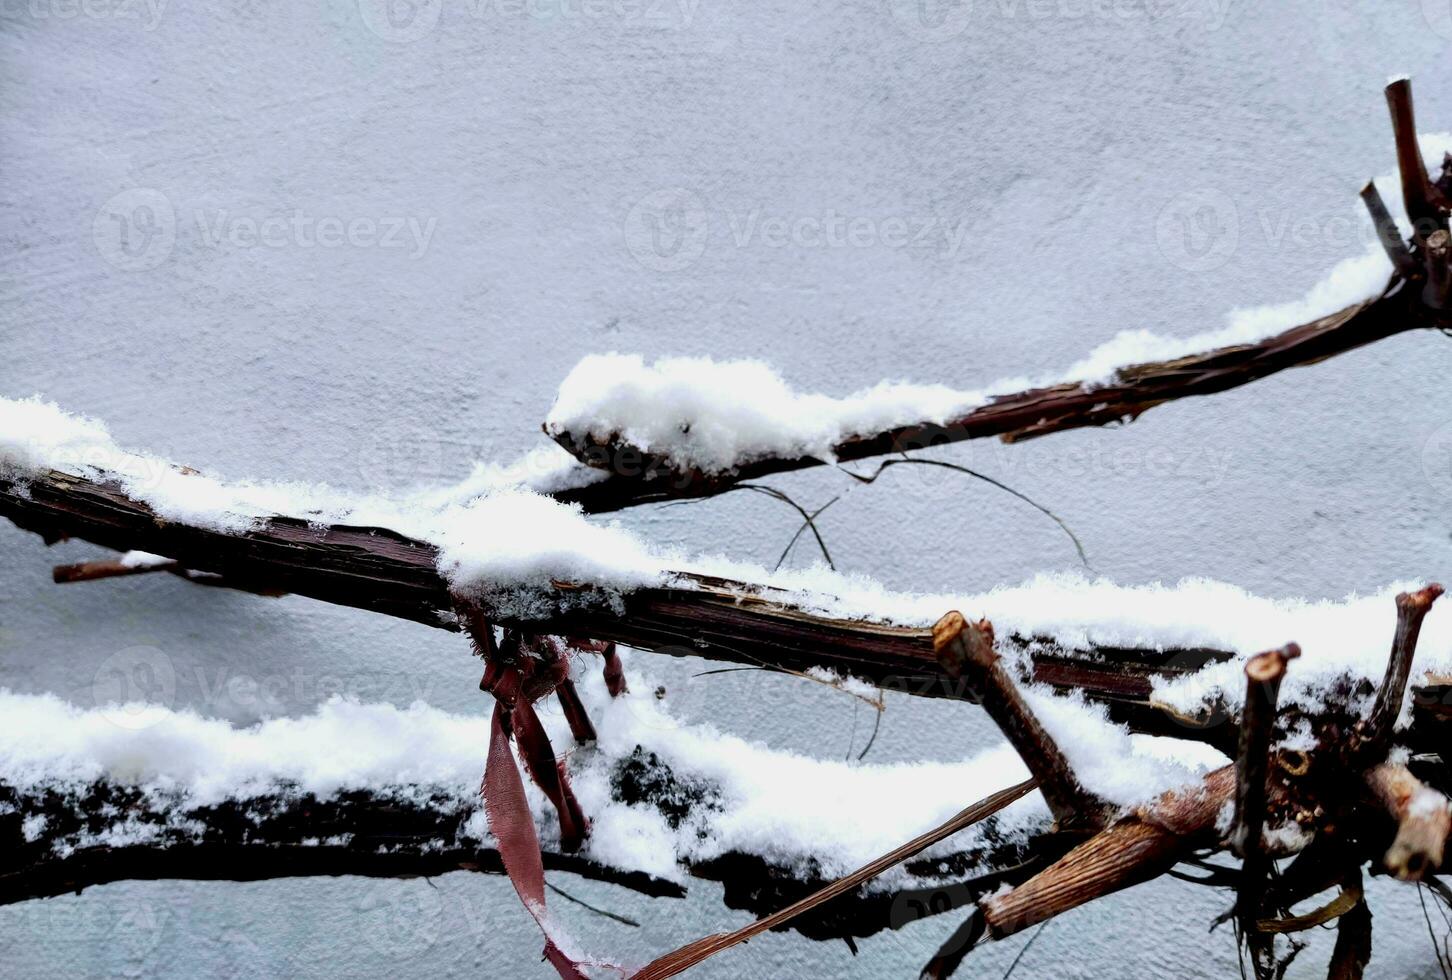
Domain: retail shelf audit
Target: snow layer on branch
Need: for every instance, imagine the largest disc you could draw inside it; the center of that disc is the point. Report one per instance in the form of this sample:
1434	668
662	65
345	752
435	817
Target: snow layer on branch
825	817
36	435
1350	637
44	740
494	535
717	415
712	415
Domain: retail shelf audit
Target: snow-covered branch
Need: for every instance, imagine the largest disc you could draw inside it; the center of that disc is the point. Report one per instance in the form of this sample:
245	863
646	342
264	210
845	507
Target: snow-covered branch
140	791
1125	648
679	428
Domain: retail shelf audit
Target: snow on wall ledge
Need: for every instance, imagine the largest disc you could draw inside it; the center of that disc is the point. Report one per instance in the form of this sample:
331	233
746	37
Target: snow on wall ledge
714	416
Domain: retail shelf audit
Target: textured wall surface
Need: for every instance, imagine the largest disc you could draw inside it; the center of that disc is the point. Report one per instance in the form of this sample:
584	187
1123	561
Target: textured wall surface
362	242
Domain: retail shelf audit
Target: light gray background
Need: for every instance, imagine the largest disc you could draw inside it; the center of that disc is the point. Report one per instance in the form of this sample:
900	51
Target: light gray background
1109	166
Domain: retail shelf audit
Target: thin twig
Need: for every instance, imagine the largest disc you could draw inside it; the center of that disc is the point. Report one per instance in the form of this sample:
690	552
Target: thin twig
914	461
806	523
90	571
875	703
688	956
598	911
872	739
1024	949
809	518
1432	934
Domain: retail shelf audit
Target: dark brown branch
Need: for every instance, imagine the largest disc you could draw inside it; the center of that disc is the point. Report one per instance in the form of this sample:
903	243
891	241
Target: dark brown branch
1387	231
382	571
1353	944
390	835
1437	252
638	477
1263	676
92	571
1421	198
411	834
1412	608
967	650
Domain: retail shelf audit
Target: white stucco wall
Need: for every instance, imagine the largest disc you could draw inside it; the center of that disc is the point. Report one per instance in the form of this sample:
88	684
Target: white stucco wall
1021	175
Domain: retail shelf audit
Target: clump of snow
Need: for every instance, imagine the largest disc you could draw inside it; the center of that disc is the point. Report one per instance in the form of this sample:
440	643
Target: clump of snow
36	436
143	559
32	827
515	542
711	415
1121	768
1427	802
715	416
545	469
